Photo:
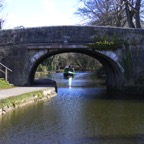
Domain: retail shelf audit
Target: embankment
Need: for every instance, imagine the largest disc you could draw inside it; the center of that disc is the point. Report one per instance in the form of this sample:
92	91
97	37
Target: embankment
14	102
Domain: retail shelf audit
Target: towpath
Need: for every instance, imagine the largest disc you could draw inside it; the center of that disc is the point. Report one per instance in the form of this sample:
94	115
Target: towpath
5	93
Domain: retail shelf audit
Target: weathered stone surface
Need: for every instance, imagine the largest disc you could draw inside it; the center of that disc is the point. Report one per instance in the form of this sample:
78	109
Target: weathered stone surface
22	50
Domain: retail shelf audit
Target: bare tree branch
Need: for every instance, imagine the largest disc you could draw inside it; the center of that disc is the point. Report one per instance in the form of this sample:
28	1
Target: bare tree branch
119	13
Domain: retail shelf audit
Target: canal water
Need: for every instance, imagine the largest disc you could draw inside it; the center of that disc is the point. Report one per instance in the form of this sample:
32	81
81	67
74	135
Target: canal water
80	114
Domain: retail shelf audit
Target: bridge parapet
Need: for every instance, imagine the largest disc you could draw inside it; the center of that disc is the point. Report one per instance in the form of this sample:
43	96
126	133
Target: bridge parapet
66	34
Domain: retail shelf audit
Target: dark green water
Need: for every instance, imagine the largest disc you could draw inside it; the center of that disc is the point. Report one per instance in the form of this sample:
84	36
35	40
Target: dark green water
81	114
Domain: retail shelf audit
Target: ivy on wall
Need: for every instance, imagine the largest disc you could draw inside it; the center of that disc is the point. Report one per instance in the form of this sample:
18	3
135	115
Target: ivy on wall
126	61
105	43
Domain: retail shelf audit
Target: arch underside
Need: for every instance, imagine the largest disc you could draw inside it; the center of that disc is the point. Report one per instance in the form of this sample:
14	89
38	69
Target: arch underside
115	75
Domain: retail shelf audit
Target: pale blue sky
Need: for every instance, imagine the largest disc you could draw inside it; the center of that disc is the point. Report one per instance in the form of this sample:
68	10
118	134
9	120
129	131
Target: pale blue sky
33	13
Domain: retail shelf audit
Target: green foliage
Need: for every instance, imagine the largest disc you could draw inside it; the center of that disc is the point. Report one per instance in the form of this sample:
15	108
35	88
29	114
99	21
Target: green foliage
104	43
42	68
4	84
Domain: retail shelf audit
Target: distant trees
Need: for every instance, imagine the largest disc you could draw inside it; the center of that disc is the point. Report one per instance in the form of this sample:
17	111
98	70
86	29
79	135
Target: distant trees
19	27
117	13
80	62
84	62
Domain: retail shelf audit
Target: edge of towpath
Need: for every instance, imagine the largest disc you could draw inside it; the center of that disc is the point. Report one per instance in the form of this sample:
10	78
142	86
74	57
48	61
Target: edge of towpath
32	95
5	93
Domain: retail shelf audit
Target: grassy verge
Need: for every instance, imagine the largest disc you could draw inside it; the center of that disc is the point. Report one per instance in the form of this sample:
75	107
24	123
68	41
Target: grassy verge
4	84
17	100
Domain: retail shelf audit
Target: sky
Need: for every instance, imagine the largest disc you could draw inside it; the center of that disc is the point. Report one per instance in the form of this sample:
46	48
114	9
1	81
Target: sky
36	13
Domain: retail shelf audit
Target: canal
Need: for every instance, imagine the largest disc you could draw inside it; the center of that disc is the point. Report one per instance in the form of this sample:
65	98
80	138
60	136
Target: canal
80	114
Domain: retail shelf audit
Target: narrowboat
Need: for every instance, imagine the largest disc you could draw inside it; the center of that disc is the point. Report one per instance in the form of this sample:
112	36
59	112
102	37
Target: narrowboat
69	72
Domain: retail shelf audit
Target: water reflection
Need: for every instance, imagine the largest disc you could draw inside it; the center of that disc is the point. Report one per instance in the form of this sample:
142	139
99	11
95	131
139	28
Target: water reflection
80	115
81	79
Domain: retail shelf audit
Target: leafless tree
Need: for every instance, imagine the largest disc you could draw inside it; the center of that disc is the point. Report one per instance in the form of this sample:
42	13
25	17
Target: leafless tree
133	10
117	13
103	12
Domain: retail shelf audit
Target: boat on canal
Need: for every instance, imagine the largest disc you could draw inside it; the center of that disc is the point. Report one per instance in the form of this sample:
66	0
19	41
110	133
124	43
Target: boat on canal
69	71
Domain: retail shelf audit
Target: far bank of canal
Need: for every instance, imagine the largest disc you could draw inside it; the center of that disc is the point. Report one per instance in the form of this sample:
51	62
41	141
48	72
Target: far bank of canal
17	97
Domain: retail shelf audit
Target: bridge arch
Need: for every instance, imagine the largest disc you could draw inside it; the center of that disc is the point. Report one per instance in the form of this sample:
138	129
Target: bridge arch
114	71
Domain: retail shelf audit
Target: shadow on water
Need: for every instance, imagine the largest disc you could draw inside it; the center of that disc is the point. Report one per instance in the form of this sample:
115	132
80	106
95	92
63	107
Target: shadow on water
85	80
103	94
129	139
45	83
117	95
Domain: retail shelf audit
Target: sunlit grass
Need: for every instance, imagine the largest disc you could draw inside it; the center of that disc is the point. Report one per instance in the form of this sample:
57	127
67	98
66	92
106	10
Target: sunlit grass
4	84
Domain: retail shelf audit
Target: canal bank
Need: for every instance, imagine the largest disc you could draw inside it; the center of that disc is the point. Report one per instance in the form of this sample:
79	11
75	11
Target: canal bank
19	96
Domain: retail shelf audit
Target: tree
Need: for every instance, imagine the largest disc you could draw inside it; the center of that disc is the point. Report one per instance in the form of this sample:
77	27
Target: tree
85	62
80	61
102	12
117	13
132	10
49	62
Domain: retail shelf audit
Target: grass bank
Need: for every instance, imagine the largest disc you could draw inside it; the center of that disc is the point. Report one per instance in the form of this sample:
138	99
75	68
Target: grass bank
14	102
4	84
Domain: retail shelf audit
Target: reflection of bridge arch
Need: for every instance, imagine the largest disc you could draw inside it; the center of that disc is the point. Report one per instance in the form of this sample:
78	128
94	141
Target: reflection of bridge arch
114	72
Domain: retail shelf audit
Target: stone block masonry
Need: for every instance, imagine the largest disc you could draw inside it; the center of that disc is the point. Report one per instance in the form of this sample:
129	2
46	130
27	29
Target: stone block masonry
22	50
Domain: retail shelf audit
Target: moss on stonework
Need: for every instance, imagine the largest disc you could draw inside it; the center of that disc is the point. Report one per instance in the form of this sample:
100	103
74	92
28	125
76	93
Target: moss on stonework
16	100
105	43
126	61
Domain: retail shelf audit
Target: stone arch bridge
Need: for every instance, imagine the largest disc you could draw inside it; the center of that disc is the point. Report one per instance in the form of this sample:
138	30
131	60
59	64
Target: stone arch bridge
22	50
